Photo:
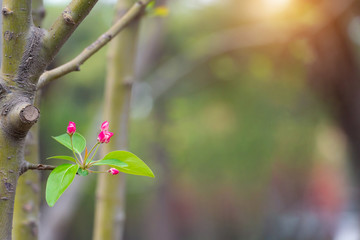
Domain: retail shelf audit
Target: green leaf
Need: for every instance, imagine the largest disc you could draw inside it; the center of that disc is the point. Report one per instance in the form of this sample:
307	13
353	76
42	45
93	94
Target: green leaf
150	6
82	172
59	179
79	142
135	165
114	163
63	157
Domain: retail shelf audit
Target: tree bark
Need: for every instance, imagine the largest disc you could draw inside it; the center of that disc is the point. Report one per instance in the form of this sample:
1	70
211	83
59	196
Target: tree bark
15	97
27	198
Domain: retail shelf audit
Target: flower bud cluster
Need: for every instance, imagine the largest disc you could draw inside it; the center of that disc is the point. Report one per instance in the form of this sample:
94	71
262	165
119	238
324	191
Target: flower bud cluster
104	136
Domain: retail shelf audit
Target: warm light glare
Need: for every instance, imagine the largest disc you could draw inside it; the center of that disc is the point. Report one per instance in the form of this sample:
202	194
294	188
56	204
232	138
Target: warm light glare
276	5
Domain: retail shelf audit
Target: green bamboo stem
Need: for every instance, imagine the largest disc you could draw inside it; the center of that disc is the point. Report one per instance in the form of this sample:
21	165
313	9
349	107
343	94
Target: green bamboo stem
110	194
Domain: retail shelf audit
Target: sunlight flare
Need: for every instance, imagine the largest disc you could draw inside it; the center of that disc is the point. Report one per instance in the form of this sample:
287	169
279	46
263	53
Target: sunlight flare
275	6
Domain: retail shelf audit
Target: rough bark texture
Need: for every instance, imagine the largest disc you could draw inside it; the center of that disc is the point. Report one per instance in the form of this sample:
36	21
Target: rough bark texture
16	95
27	199
110	194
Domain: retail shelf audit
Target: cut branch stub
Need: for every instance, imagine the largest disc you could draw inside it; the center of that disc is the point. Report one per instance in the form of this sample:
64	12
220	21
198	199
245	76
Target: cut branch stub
5	11
21	117
29	114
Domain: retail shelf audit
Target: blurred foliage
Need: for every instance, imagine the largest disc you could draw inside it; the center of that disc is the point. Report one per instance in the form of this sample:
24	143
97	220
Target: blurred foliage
225	129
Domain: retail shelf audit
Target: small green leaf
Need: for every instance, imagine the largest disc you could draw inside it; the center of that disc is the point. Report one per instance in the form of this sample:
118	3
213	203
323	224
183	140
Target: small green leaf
135	165
82	172
79	142
150	6
63	157
115	163
59	179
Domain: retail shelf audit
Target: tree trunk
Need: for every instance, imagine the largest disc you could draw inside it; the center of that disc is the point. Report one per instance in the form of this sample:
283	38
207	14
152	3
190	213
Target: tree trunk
110	194
27	200
16	102
334	75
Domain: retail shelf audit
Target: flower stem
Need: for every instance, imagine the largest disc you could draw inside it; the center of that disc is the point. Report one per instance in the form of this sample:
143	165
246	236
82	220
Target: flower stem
94	152
82	161
72	147
92	149
92	171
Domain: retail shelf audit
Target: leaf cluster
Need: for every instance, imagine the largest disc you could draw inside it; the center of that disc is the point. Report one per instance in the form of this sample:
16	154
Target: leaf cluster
62	176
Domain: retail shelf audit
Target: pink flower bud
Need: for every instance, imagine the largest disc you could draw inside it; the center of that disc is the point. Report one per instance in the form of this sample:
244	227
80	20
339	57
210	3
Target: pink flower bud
105	126
113	171
108	136
71	128
104	136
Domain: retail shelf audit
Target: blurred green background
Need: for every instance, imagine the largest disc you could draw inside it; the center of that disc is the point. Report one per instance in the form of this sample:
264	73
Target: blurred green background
225	113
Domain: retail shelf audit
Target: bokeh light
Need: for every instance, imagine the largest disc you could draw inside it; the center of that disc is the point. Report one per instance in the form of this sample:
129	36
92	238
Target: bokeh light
275	6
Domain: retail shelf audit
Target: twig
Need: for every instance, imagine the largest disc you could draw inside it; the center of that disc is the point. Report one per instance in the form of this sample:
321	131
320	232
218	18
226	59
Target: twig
65	25
40	167
34	166
74	64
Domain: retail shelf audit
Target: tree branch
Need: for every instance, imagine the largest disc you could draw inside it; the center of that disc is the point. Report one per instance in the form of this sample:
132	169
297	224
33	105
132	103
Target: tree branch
38	12
74	64
34	166
65	25
20	118
40	167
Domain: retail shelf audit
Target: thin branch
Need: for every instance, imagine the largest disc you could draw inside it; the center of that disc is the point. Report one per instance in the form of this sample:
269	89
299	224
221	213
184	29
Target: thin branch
65	25
32	166
74	64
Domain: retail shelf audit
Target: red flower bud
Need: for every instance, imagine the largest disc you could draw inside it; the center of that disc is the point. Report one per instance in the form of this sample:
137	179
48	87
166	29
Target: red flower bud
104	136
105	126
113	171
71	128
